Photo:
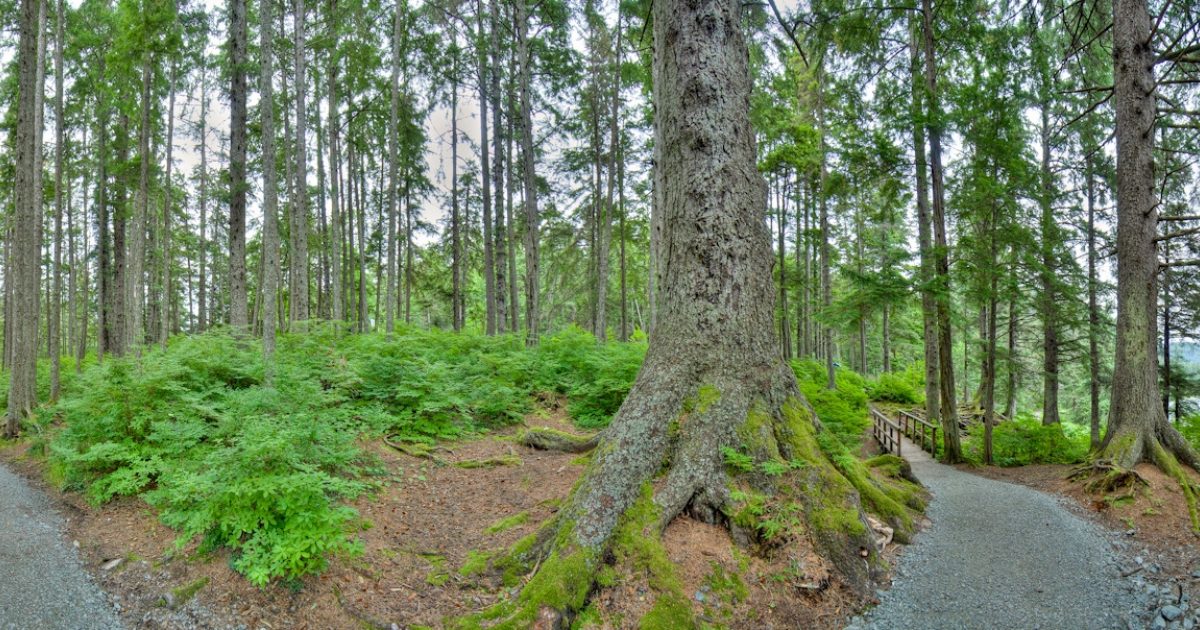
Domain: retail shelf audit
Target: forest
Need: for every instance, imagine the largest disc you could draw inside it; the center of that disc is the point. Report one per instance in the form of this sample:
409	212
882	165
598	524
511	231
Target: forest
567	313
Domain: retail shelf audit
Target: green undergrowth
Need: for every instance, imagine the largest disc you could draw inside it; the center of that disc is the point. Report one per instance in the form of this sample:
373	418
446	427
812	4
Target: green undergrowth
1190	428
1025	440
843	411
266	472
906	387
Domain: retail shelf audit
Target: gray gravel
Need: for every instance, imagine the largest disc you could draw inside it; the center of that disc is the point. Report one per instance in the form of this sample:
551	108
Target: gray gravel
42	583
998	555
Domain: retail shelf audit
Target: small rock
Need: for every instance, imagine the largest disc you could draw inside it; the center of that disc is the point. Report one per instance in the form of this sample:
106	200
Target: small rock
1139	559
1189	624
1159	624
1196	574
112	564
1171	613
1130	532
168	599
699	596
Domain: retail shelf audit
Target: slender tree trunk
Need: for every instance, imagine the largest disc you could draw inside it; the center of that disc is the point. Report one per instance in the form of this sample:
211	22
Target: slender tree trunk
501	231
202	289
822	196
135	332
456	268
168	206
54	329
1049	296
948	409
298	285
335	219
393	158
1137	427
1093	310
532	218
238	308
270	239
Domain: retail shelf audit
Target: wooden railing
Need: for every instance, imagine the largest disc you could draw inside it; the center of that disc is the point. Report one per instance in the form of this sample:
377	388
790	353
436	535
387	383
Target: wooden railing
924	433
886	432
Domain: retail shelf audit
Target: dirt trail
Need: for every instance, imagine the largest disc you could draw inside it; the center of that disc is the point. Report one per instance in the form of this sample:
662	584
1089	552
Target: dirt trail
998	555
42	583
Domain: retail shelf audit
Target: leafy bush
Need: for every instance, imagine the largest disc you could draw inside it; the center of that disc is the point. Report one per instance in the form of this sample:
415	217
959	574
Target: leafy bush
1025	440
595	378
1190	428
843	411
906	387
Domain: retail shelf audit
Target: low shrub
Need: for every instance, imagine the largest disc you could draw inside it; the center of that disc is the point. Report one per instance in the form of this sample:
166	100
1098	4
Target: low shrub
906	387
843	411
1025	440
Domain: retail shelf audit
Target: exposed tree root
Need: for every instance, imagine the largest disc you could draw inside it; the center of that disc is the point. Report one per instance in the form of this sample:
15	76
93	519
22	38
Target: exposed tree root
414	449
1102	477
770	477
490	462
546	439
1160	444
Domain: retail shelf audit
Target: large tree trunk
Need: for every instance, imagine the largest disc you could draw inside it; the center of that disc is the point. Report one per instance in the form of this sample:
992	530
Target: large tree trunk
1137	426
947	406
270	239
239	316
25	241
713	376
500	233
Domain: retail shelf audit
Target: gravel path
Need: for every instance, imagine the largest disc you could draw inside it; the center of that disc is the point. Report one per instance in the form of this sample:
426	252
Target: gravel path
42	584
1000	555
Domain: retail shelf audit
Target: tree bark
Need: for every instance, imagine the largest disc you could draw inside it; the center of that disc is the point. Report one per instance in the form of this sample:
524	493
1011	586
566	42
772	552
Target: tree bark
335	218
238	308
54	324
202	289
270	239
948	409
713	375
135	332
1137	426
1093	309
168	206
532	218
25	241
298	284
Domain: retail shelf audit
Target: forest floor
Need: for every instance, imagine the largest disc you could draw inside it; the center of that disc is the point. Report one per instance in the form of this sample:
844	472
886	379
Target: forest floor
427	532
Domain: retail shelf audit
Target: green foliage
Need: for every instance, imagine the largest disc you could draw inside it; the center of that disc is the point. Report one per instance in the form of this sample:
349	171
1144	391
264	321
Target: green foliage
1025	440
1190	428
843	411
906	387
594	377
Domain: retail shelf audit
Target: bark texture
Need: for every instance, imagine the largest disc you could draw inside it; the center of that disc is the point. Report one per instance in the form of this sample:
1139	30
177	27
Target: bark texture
25	243
1137	425
713	377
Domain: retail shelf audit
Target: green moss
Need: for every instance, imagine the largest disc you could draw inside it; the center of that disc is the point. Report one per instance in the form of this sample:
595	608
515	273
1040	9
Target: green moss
477	562
438	575
670	611
507	523
727	585
186	592
890	465
757	435
1171	466
490	462
1119	448
587	618
701	401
